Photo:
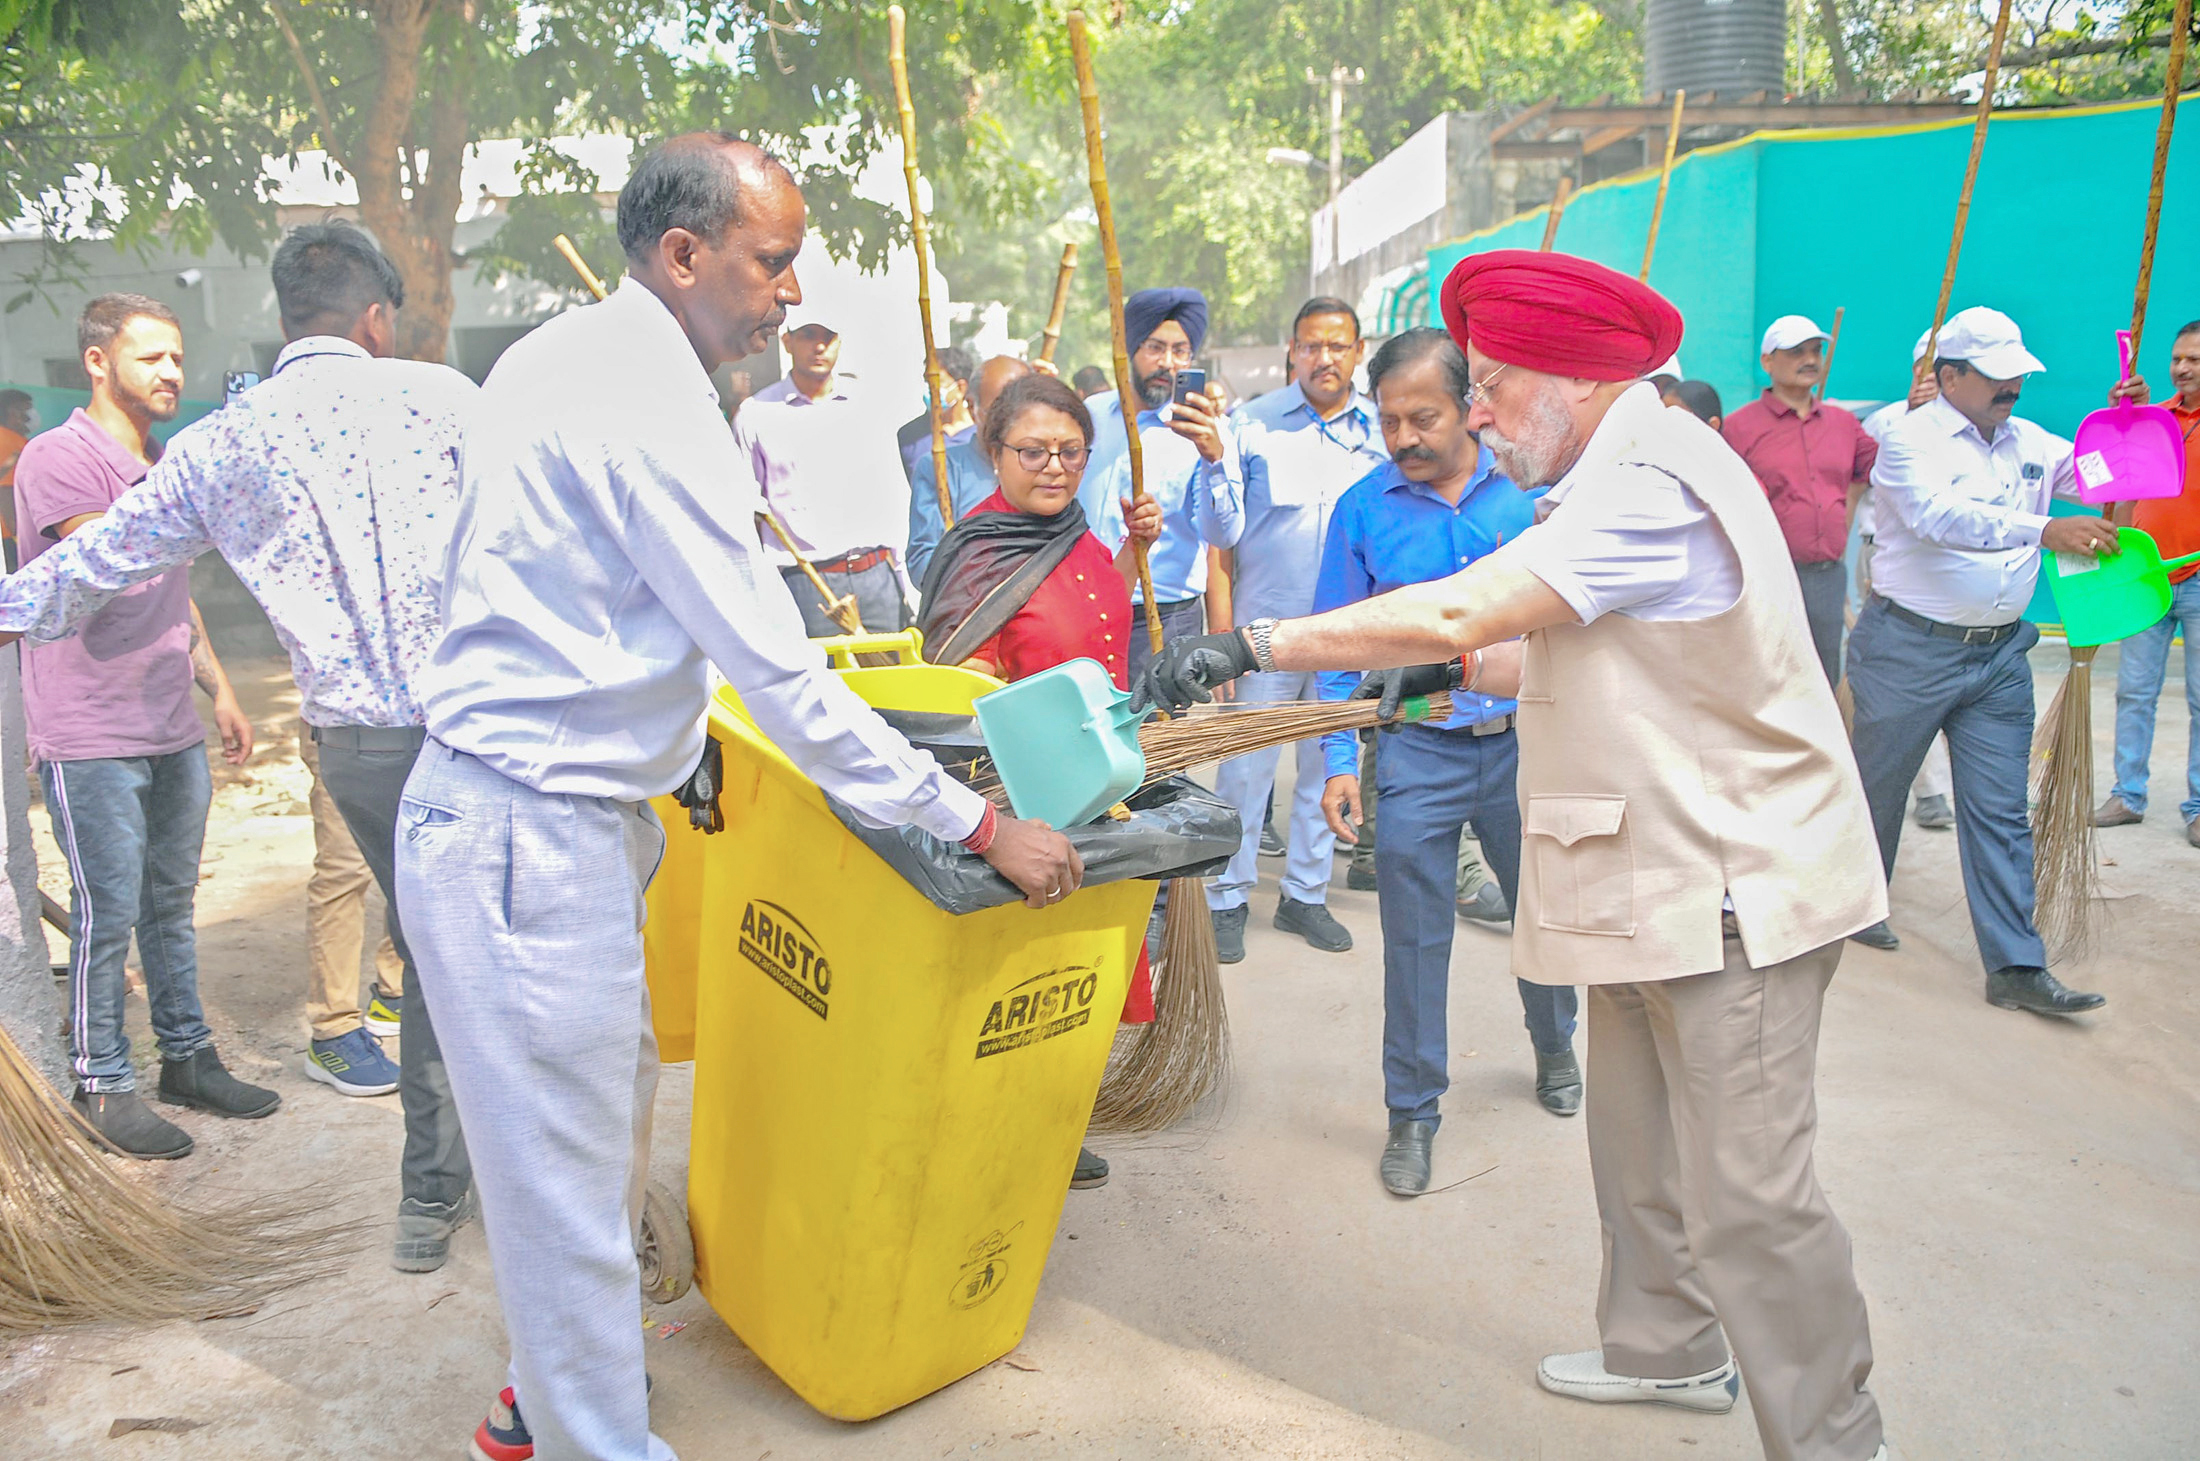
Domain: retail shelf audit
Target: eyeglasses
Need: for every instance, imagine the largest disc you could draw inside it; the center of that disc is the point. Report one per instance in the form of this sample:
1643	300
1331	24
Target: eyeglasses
1035	458
1181	351
1478	392
1323	349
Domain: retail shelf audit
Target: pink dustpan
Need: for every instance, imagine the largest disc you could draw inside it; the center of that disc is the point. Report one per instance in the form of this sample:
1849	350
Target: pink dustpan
2126	452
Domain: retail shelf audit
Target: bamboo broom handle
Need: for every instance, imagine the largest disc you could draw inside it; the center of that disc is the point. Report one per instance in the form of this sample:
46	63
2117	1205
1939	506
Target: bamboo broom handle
1558	211
1088	94
833	603
564	246
1970	180
2180	27
1665	180
1053	335
898	62
1833	343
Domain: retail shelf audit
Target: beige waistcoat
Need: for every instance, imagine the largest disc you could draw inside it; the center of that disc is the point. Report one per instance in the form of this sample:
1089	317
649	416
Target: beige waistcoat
1668	766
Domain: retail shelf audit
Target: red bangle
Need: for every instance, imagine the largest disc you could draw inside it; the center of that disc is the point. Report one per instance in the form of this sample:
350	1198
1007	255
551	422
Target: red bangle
988	825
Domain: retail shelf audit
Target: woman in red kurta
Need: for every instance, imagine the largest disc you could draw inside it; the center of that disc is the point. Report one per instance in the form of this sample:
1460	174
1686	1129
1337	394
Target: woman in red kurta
1021	585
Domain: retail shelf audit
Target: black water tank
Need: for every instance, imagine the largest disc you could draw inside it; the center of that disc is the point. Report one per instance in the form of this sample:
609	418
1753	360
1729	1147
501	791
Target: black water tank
1728	46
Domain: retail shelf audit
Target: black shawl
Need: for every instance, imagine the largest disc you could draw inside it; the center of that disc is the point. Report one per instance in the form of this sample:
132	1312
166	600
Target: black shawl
986	568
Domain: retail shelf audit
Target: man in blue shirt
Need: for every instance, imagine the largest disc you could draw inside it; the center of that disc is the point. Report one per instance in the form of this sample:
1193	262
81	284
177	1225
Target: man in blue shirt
970	479
1438	505
1191	464
1299	449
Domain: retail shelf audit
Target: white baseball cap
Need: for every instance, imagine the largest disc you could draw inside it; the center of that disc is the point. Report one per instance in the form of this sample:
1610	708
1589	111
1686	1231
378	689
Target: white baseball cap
1917	351
1989	342
1789	331
805	313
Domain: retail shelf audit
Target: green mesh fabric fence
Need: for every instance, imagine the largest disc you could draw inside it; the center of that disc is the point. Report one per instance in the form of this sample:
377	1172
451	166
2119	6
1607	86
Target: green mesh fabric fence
1801	222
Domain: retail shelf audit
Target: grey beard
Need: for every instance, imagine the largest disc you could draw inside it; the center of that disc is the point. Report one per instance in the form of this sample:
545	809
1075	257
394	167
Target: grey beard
1544	449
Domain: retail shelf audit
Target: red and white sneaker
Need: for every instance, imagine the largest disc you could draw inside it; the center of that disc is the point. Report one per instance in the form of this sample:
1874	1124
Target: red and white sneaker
503	1435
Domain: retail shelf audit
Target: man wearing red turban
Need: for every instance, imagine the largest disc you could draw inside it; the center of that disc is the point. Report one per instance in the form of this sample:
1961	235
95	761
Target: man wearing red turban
1696	840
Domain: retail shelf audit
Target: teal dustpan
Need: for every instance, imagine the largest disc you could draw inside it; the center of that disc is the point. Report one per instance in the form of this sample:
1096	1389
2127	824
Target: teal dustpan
2105	599
1064	743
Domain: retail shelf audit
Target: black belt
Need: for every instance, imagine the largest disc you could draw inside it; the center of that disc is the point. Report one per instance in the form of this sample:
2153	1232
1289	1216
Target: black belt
371	737
1962	633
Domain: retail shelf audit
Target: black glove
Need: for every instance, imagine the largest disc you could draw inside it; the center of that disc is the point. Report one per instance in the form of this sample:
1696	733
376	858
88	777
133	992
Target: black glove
699	793
1395	686
1186	672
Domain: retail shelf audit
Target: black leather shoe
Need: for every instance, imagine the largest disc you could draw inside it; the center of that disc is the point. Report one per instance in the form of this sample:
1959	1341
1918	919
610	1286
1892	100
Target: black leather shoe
1092	1169
1314	923
1360	879
1230	935
1558	1082
1878	936
200	1080
124	1124
2038	991
1406	1157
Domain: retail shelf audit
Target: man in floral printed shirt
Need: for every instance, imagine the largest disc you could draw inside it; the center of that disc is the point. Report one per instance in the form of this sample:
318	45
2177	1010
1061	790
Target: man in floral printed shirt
331	490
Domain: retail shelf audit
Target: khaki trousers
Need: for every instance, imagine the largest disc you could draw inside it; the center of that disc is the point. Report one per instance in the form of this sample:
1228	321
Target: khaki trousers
336	915
1702	1114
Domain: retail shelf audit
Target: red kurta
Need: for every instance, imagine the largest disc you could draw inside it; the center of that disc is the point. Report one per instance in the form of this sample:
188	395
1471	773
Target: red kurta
1081	611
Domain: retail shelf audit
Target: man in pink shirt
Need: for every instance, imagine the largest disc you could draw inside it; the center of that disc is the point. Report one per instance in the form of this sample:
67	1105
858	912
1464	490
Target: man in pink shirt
120	750
1814	461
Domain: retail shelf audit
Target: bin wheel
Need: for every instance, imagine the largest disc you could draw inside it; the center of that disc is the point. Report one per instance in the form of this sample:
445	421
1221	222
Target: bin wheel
667	1251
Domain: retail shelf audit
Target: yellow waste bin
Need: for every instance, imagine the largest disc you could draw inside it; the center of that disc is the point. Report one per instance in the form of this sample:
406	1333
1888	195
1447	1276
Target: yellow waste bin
889	1098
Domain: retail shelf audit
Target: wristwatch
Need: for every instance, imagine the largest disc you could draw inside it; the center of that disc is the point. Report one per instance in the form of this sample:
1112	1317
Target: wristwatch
1257	635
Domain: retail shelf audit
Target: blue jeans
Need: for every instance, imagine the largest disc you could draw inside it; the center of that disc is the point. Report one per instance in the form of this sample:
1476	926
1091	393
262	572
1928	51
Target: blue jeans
1249	782
130	829
2142	666
1432	781
1909	686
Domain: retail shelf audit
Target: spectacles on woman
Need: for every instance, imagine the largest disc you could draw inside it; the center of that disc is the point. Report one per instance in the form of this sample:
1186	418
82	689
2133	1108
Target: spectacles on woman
1035	458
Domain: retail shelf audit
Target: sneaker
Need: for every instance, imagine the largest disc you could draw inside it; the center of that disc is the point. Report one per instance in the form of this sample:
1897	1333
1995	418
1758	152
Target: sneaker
1487	905
1933	812
1360	879
1230	935
1271	841
1584	1377
424	1236
1092	1170
200	1080
1314	923
382	1013
502	1435
121	1122
353	1062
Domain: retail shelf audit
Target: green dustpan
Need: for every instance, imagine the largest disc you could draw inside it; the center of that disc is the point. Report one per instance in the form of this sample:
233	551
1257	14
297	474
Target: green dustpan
1064	742
2106	599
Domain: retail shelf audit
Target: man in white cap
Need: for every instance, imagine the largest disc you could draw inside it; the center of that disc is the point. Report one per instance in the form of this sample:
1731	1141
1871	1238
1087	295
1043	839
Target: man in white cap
1964	488
830	469
1930	807
1814	461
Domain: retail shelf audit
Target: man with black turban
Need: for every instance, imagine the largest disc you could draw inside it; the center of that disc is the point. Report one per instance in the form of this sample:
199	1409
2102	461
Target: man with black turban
1191	464
1696	841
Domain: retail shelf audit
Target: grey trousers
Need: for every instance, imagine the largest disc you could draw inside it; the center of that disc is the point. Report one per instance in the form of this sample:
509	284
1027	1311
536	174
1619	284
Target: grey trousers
878	595
1825	607
1702	1111
364	769
527	908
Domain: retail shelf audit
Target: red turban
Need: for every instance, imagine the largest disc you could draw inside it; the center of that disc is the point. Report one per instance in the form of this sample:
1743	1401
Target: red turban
1559	314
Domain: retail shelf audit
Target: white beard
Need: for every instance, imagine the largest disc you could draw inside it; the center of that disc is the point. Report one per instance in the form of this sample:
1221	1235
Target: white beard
1545	446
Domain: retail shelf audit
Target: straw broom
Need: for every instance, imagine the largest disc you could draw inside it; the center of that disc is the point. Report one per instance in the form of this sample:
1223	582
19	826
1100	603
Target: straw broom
1665	180
840	608
81	1244
897	61
1053	333
1163	1069
2066	871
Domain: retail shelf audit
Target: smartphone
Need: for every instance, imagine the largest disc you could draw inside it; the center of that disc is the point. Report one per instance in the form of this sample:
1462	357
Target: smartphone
1190	381
236	382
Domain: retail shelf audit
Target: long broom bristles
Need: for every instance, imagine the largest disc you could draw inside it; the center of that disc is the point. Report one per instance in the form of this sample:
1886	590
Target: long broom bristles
1217	733
2066	873
79	1243
1160	1071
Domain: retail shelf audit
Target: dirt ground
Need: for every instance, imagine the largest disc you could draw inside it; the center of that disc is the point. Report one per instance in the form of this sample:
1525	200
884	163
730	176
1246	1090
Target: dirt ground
2024	1195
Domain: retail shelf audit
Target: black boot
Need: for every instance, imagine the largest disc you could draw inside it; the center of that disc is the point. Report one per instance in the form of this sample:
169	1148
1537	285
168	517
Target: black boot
1558	1082
200	1080
124	1124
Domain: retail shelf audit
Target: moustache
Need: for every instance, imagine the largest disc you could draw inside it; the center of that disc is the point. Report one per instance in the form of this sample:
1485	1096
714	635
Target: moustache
2005	398
1406	454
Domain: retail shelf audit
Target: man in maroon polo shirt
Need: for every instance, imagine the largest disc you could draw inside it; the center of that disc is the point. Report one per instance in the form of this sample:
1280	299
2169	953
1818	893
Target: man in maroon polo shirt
119	747
1814	461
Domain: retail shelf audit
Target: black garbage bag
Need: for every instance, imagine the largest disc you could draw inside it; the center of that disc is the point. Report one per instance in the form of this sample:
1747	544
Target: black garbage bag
1177	829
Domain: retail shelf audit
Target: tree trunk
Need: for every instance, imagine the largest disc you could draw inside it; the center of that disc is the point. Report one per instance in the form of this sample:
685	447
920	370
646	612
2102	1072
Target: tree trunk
1829	25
